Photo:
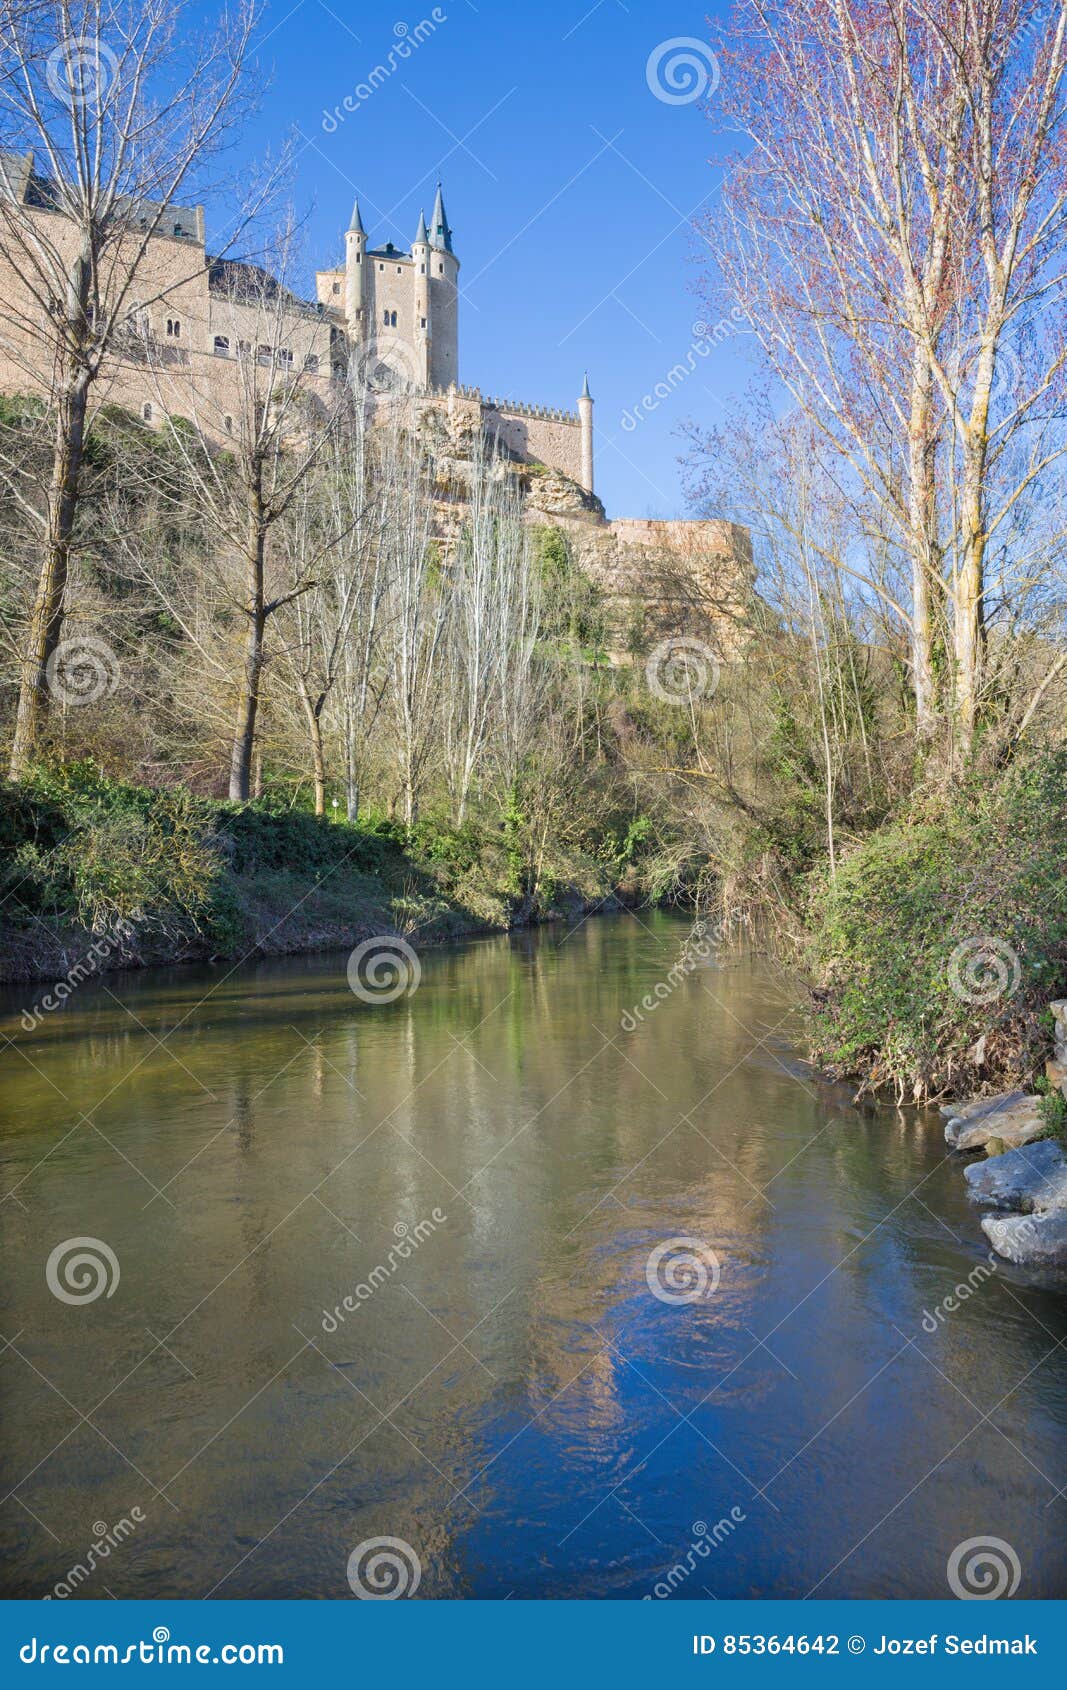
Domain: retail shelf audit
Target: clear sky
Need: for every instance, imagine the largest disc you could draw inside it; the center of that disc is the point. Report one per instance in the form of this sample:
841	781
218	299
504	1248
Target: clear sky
571	188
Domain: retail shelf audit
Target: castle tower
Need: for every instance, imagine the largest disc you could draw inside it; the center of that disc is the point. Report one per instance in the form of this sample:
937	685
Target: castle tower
585	417
355	284
443	299
422	326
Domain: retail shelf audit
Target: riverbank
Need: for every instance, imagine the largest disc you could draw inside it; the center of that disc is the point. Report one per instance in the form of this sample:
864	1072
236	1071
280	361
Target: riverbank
96	875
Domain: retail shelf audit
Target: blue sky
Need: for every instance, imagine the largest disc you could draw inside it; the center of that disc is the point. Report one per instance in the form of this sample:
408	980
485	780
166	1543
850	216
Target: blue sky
570	185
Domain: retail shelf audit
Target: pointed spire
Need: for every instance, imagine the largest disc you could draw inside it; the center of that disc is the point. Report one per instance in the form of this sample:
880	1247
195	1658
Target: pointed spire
355	227
585	393
421	237
442	234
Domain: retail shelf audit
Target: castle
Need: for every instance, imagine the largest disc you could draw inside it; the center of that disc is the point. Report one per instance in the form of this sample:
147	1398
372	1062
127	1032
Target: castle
387	316
395	315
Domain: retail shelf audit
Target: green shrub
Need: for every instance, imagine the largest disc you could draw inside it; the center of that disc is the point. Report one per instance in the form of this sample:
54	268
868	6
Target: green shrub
944	928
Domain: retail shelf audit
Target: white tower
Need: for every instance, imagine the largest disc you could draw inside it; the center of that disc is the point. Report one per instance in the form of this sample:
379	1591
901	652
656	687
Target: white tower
585	417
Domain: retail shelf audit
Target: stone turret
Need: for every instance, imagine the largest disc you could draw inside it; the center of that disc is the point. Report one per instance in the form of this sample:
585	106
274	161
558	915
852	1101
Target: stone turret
585	417
355	272
422	327
444	298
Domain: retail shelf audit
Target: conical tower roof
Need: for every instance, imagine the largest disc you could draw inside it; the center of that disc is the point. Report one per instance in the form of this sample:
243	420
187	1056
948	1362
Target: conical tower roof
442	234
355	226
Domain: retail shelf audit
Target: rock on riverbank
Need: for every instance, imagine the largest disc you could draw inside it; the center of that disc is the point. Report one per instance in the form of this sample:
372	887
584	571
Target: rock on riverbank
1025	1174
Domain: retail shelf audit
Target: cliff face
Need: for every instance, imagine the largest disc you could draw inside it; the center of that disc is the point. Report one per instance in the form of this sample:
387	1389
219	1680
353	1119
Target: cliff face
658	578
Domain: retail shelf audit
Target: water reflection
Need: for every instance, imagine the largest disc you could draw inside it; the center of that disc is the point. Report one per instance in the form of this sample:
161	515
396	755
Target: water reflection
510	1399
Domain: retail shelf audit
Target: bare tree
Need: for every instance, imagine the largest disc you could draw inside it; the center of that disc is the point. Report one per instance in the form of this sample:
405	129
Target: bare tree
329	633
492	623
417	612
109	112
896	224
258	430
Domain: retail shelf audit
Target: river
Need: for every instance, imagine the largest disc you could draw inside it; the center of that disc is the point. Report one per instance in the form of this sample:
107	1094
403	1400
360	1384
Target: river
636	1305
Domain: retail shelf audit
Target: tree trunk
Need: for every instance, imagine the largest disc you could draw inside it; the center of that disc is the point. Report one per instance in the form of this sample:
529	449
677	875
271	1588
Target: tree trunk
925	565
248	704
46	618
313	712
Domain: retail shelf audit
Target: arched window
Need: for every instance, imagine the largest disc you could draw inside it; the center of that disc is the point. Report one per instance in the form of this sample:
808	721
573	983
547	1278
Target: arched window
336	287
174	328
311	363
227	423
146	413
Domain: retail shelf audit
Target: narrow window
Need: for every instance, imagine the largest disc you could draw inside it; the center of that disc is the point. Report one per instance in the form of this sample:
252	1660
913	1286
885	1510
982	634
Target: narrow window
262	353
440	269
400	270
174	328
222	346
381	266
422	269
311	363
422	322
146	412
227	423
336	287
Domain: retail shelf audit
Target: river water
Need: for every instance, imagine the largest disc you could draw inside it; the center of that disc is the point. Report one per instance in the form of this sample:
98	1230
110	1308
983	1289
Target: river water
484	1169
